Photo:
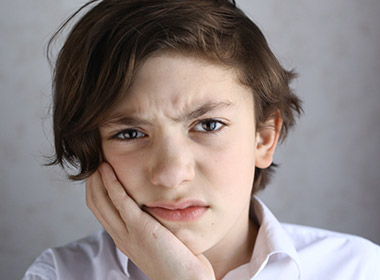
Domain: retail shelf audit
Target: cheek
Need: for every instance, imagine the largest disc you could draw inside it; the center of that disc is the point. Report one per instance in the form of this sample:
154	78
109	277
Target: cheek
232	168
128	169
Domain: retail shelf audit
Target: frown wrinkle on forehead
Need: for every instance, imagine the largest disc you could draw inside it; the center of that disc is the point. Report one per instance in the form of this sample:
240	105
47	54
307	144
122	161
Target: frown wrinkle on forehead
132	119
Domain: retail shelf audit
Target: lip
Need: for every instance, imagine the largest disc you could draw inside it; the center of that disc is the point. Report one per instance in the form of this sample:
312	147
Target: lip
183	211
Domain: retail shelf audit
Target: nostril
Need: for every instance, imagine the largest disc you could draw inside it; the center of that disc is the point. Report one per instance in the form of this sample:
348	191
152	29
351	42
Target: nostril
172	174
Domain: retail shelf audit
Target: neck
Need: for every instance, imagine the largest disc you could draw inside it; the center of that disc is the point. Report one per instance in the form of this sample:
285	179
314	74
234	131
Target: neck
233	251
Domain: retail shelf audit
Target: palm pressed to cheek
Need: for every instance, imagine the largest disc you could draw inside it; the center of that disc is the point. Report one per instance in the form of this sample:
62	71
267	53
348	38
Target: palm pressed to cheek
127	168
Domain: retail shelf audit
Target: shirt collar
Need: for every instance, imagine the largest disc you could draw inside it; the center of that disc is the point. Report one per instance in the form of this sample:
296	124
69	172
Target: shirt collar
124	260
272	242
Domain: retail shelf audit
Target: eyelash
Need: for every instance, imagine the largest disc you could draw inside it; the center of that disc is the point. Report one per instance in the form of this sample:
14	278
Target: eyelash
210	121
121	135
217	127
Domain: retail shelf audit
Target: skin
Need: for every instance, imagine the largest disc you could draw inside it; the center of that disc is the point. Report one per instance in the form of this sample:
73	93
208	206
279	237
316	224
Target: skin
185	131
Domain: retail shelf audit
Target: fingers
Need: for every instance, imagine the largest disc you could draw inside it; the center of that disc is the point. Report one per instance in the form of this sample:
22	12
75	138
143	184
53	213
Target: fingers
126	206
102	207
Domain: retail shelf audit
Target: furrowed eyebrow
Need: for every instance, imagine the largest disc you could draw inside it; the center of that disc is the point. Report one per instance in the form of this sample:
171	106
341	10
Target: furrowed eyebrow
197	113
204	109
125	120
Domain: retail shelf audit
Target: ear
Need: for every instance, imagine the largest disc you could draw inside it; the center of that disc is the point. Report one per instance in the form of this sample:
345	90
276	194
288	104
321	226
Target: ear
266	141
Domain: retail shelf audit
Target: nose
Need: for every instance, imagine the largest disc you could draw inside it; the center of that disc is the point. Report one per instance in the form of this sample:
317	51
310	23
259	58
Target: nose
172	163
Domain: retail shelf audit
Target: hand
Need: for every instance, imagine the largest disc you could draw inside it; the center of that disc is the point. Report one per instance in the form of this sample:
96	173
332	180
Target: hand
151	246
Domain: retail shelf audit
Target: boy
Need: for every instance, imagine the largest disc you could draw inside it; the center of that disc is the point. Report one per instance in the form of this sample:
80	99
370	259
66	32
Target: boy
172	110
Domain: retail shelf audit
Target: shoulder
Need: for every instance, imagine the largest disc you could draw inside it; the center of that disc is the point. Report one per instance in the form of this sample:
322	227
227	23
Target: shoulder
42	268
324	251
87	248
80	257
304	235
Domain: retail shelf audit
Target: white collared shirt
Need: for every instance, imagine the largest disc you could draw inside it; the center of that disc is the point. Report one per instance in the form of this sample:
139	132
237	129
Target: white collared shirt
282	251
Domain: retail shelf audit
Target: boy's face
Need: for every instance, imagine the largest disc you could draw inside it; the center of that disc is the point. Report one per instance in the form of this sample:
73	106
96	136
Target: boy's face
183	144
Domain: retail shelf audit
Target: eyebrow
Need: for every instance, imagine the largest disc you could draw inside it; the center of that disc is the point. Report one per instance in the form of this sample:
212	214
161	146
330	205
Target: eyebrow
130	120
204	109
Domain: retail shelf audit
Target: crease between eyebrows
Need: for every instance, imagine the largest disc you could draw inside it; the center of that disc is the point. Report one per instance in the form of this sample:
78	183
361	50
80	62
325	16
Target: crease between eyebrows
132	120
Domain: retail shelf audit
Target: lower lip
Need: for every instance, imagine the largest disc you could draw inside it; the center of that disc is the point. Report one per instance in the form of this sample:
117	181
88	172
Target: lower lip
179	215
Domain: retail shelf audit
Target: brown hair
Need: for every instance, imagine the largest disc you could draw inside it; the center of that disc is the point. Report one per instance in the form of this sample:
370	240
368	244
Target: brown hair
101	55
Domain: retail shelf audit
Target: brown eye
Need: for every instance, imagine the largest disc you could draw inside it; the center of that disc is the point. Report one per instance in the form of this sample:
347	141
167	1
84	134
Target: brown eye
129	134
209	125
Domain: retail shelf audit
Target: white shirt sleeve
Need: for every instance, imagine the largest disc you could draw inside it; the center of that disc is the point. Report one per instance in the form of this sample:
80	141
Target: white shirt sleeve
43	268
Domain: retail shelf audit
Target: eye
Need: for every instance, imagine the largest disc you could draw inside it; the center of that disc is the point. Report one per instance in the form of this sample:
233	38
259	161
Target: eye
129	134
209	125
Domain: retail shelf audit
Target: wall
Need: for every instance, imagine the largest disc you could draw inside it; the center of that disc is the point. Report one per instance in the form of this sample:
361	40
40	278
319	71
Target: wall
329	172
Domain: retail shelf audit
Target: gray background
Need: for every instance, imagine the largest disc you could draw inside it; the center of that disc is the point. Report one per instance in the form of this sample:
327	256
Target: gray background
329	165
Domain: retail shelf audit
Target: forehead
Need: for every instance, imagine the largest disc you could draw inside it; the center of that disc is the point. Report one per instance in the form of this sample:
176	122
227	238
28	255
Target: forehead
177	83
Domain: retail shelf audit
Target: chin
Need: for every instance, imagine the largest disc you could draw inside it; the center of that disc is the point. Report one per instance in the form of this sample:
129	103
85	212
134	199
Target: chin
197	242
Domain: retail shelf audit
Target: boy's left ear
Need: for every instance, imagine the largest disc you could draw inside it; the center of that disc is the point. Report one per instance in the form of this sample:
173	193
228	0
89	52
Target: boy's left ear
266	141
